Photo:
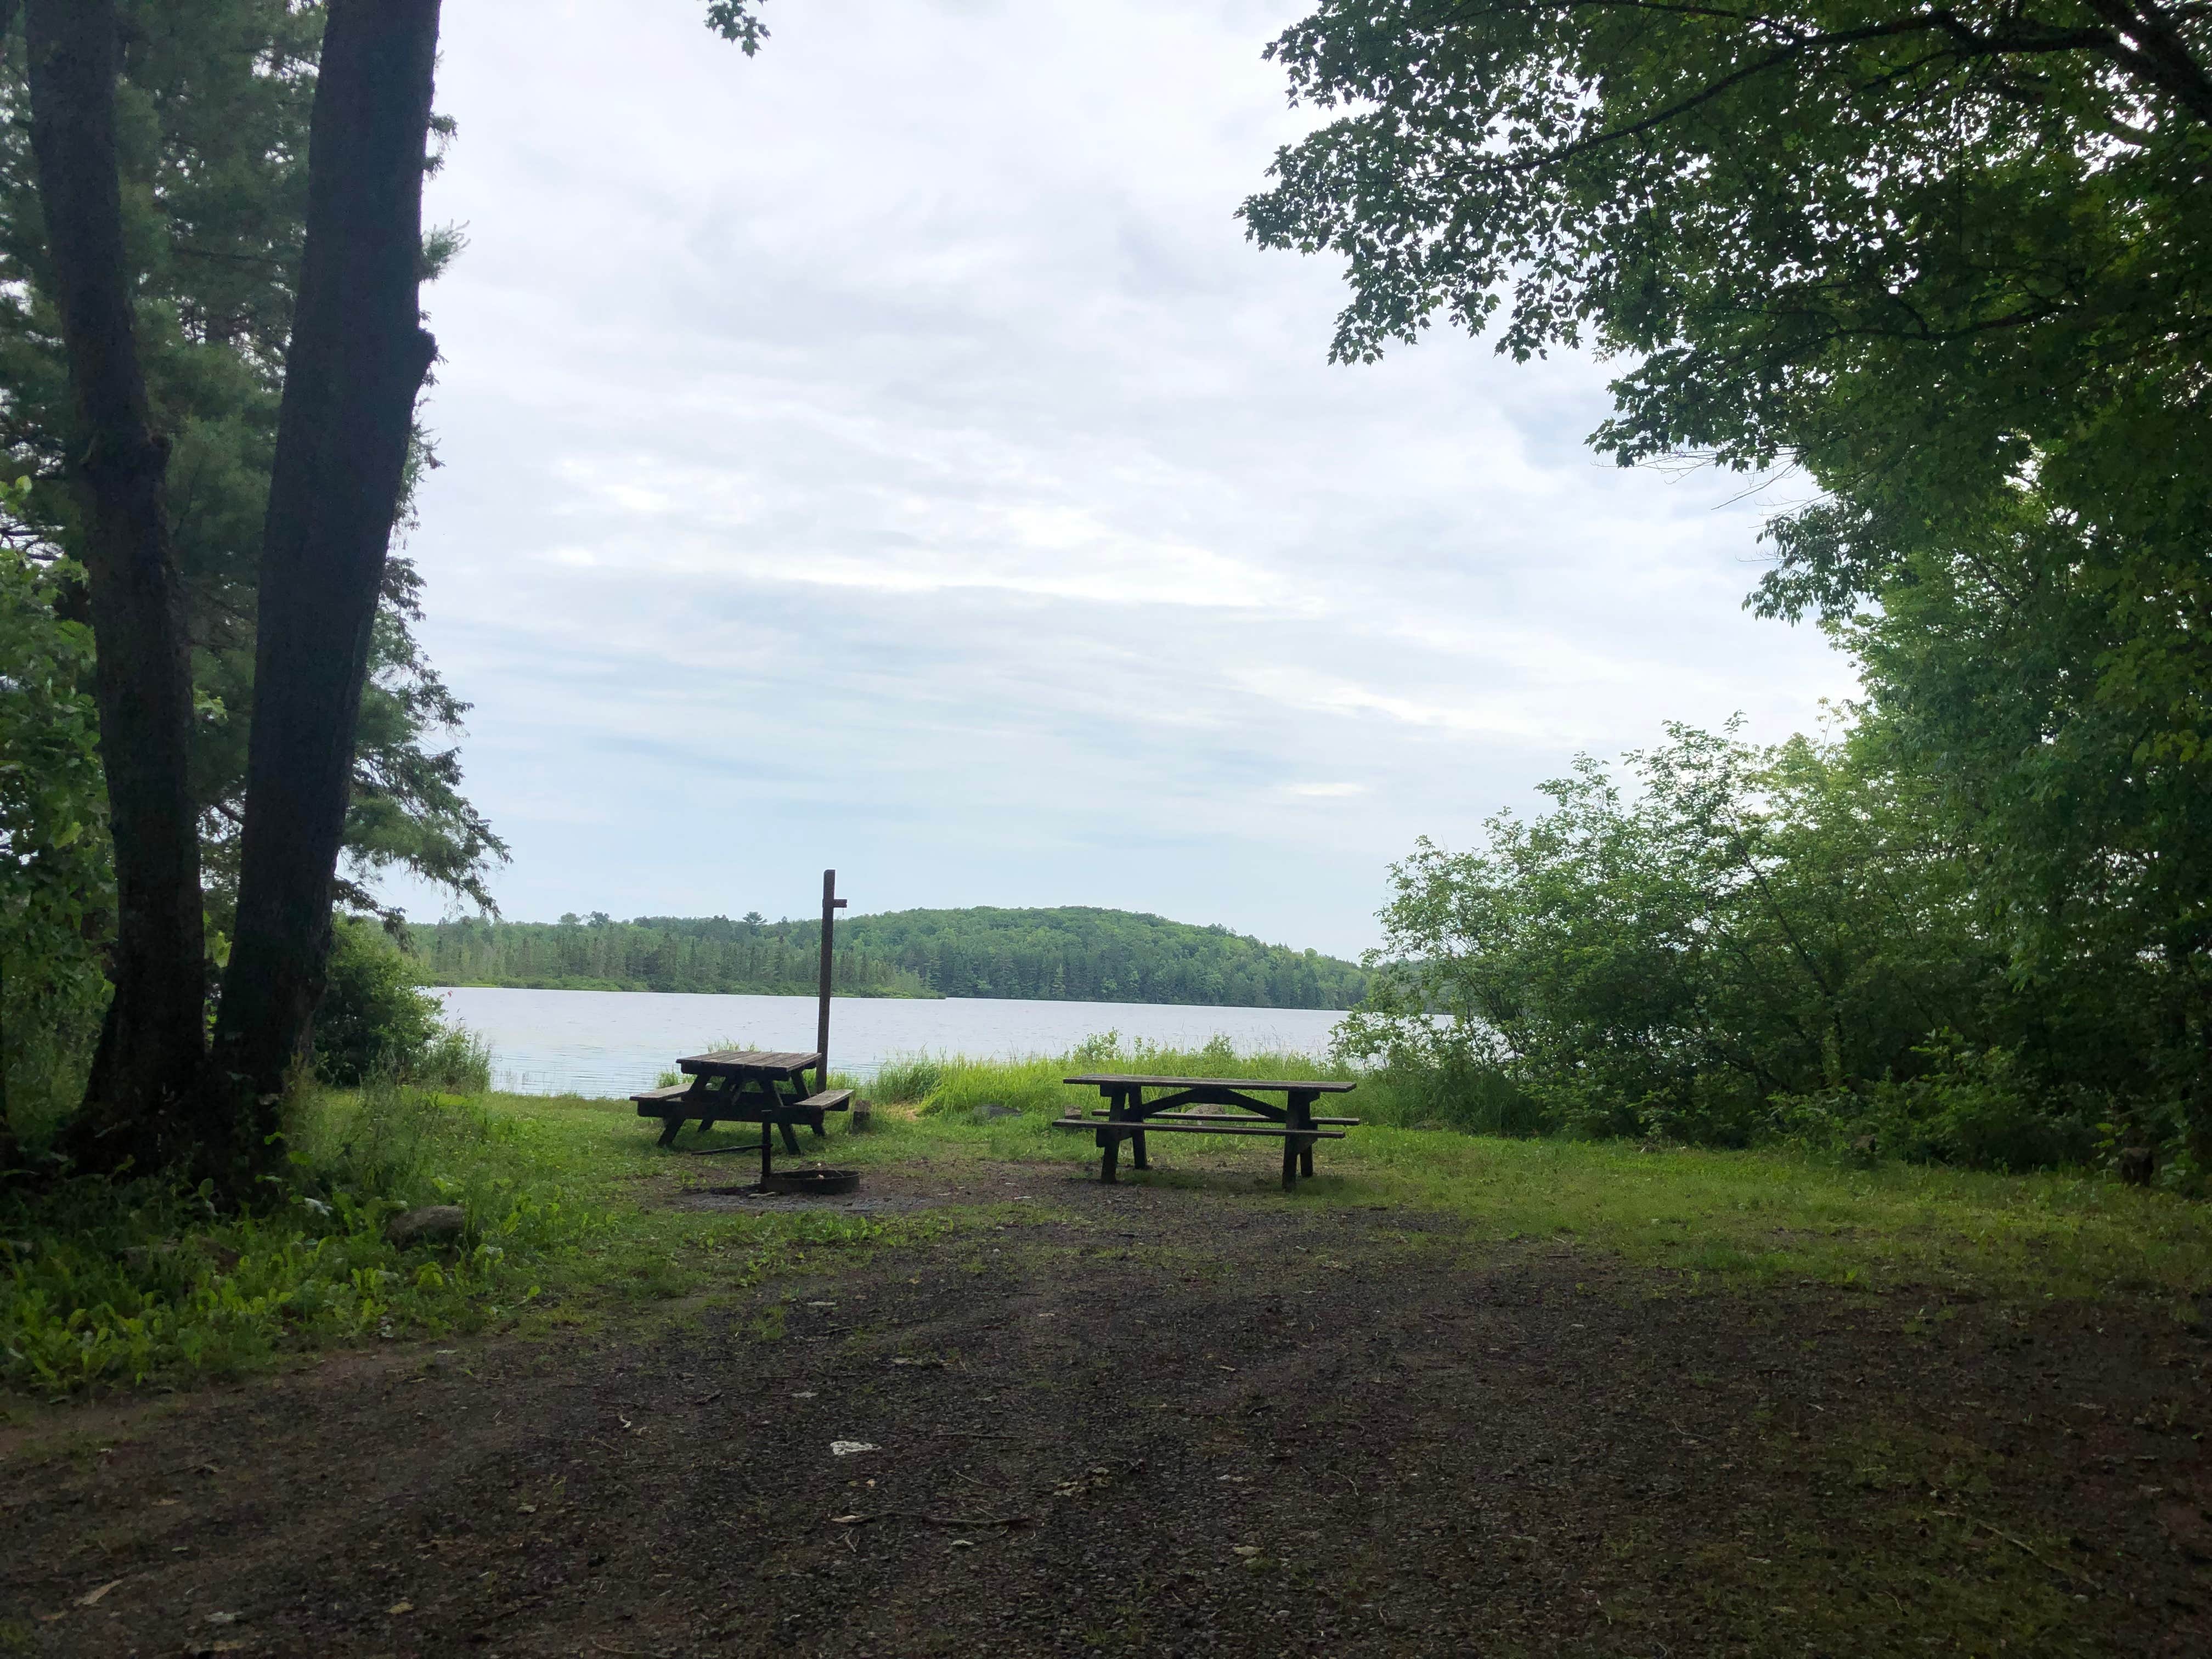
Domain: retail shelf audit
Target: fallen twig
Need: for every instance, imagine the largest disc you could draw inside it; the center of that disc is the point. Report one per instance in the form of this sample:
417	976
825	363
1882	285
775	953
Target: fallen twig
2030	1551
934	1520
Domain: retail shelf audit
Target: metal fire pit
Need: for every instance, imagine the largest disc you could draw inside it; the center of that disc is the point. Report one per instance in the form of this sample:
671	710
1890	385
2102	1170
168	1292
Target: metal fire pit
810	1183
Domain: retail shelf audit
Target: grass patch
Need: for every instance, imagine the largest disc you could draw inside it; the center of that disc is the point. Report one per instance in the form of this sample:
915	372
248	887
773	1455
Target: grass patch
1763	1214
104	1286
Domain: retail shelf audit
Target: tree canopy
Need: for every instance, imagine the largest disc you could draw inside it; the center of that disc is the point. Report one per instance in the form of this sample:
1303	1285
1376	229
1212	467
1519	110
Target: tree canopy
1951	263
213	106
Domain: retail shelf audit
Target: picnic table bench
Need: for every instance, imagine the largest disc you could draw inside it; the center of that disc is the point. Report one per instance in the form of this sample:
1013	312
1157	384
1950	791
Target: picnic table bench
745	1085
1128	1115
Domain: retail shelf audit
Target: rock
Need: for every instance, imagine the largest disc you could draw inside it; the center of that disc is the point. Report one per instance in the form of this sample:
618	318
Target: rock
863	1117
991	1108
2137	1164
433	1224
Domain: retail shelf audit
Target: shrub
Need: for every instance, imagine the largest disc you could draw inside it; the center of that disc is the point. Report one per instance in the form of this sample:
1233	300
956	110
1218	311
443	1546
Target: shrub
1972	1106
457	1060
376	1020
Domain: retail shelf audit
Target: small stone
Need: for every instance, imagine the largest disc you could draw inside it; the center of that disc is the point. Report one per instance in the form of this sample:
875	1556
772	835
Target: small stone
433	1224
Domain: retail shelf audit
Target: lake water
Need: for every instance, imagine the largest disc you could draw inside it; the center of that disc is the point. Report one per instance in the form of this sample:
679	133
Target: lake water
615	1042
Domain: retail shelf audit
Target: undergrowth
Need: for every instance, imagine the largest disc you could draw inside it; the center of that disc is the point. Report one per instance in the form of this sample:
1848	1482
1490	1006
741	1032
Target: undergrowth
120	1282
106	1283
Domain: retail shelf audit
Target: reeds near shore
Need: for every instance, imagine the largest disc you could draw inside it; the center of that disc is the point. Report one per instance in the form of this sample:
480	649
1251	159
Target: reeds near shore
1401	1096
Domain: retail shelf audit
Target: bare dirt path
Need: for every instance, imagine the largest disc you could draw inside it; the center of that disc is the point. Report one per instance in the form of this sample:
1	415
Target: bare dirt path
1188	1419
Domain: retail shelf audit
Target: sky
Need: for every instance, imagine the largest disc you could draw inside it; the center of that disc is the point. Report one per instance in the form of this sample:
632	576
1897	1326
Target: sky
887	452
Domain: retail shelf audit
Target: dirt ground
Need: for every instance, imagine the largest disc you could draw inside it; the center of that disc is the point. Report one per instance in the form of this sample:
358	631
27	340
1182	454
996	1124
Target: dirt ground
1182	1418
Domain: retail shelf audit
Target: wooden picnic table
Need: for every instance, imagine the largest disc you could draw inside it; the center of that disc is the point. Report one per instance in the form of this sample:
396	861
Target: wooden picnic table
746	1086
1128	1115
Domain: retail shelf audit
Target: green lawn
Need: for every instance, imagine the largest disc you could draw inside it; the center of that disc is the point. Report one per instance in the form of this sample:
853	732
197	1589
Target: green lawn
105	1289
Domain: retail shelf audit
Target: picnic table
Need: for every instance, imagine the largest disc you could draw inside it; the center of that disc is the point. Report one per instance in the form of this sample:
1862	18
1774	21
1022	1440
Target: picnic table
746	1086
1127	1114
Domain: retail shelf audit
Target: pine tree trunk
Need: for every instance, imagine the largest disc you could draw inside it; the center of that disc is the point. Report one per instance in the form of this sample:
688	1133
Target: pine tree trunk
144	1100
356	363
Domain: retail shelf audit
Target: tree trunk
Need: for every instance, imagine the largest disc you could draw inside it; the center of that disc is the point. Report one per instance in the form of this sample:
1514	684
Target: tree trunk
144	1101
356	363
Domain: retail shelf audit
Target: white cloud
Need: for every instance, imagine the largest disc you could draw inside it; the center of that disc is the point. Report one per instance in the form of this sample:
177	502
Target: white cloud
887	451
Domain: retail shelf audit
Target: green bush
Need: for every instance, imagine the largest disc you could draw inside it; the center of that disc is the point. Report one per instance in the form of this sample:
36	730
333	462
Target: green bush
376	1021
1970	1107
57	888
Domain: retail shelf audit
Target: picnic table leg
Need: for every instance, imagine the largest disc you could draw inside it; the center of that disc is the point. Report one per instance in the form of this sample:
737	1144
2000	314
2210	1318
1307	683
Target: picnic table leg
1301	1115
670	1128
1135	1106
1111	1141
790	1138
767	1152
1290	1163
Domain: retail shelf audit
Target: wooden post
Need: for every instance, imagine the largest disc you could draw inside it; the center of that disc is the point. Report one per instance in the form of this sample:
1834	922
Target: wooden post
831	904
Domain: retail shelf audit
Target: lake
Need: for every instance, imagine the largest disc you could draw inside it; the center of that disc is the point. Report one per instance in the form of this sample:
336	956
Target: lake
615	1042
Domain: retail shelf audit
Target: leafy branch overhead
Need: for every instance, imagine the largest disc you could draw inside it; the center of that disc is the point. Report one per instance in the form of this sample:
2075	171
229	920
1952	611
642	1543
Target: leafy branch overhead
735	19
1779	211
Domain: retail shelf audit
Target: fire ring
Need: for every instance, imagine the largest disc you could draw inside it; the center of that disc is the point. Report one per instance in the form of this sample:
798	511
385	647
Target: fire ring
810	1183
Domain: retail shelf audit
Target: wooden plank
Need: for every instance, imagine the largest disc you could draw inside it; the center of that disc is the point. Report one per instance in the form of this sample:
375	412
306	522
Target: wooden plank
829	1100
722	1110
1204	1094
738	1061
1257	1085
1222	1118
1161	1126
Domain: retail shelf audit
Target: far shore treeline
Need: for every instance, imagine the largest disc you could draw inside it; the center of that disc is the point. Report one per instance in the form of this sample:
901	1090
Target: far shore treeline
1073	954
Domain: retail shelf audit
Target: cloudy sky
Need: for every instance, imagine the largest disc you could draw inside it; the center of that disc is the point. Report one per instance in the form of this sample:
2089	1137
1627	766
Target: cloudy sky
887	452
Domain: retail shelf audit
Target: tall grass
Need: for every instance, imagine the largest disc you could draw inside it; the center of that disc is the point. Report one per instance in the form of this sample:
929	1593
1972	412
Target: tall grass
456	1061
1402	1096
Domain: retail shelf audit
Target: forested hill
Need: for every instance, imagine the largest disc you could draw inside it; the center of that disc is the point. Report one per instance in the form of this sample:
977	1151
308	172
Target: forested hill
1074	954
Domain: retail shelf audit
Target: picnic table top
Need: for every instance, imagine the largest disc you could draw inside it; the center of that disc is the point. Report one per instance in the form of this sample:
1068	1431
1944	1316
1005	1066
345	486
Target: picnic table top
739	1060
1250	1085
